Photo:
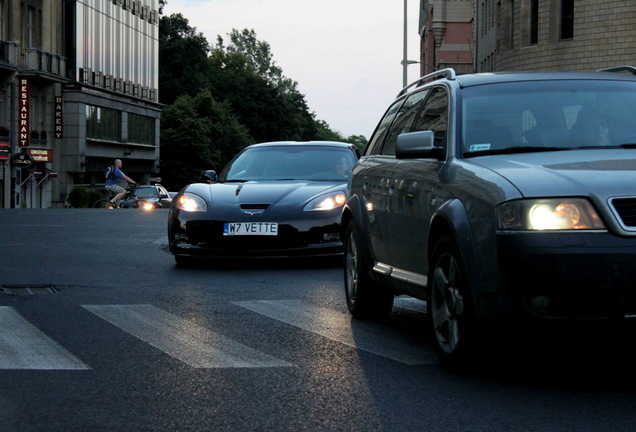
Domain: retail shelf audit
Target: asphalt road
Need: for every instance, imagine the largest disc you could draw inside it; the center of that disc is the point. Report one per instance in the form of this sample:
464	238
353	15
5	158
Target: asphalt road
100	331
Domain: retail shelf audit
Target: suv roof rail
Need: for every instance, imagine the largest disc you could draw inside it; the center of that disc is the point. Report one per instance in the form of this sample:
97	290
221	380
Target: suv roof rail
448	73
624	68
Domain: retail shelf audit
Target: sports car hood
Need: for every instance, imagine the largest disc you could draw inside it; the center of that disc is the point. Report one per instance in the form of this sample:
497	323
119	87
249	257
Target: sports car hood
601	172
265	192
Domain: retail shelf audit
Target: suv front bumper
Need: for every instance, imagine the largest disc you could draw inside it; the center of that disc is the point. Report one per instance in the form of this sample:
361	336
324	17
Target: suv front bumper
570	275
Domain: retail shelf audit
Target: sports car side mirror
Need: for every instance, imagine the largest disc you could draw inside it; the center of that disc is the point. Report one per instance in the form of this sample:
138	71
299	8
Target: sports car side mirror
209	176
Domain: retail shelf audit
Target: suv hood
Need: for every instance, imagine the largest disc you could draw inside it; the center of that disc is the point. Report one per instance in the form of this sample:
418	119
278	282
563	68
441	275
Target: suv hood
601	172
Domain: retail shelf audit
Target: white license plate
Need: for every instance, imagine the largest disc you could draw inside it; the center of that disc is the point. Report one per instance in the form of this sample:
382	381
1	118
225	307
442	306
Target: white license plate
250	228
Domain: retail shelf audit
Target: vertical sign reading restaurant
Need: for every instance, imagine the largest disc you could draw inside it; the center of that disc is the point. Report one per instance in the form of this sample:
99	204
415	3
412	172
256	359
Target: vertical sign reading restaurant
24	113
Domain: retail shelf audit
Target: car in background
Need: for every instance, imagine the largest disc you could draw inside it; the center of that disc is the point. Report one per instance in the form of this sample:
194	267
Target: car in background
154	195
278	199
497	197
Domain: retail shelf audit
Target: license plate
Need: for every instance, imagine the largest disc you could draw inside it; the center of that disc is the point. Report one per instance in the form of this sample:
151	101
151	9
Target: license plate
250	228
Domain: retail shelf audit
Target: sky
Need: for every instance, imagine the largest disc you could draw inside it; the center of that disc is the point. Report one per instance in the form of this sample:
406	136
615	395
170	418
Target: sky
345	55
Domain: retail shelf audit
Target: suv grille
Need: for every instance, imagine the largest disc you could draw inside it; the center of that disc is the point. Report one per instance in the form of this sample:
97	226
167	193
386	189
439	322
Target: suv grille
625	208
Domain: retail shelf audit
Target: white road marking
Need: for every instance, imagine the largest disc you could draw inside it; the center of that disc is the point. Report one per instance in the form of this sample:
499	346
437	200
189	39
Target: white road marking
375	338
161	241
24	346
183	340
410	303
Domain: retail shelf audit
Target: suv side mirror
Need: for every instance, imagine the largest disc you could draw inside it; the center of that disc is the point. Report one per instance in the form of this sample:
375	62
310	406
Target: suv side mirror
209	176
418	145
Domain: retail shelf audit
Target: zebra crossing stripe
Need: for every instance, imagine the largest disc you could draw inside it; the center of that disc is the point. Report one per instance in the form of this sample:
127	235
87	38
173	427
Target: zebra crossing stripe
182	339
368	336
24	346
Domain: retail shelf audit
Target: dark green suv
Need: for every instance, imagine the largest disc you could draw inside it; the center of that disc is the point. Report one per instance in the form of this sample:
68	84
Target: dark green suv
498	196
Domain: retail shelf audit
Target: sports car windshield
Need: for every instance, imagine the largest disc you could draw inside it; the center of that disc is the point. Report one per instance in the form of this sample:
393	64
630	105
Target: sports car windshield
544	116
288	163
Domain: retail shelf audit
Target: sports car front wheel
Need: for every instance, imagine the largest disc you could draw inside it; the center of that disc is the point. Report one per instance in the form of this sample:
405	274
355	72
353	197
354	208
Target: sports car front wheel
365	297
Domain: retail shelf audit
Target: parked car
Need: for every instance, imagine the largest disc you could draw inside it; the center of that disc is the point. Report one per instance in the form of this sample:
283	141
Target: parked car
273	199
494	197
155	195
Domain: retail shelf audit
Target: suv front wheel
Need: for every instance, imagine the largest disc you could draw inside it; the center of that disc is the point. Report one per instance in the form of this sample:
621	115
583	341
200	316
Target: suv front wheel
365	297
449	304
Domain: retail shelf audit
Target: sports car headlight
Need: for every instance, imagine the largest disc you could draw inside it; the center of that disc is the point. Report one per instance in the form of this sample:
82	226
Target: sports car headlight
549	214
326	202
191	203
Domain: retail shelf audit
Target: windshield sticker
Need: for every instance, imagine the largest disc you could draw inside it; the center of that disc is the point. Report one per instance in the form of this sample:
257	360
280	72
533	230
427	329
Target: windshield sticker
479	147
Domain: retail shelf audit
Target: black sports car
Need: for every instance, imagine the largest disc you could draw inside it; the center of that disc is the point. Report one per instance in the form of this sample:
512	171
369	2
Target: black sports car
272	200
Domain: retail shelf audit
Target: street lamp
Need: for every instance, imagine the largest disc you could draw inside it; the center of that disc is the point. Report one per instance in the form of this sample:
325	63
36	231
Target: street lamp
405	62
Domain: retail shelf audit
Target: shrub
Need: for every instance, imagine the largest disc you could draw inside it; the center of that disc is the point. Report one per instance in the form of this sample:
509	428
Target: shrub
78	197
92	196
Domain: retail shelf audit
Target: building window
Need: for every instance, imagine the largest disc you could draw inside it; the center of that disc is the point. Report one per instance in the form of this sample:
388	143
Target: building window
103	123
141	129
1	20
512	24
567	19
534	22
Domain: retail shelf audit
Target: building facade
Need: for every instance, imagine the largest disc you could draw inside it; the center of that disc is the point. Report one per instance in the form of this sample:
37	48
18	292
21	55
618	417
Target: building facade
446	35
79	88
545	35
526	35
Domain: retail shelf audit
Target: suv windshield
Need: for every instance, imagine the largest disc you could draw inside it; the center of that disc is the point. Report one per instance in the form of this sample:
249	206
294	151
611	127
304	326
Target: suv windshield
547	115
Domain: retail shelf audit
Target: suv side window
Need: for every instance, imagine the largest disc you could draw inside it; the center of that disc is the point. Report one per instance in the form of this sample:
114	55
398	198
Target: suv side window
403	121
434	116
375	145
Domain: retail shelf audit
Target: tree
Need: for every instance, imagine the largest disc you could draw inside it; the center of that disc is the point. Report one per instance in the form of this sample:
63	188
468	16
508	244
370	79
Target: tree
198	133
245	75
183	53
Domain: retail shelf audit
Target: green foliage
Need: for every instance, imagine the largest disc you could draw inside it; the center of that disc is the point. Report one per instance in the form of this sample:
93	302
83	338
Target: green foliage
198	133
219	100
183	56
92	195
78	197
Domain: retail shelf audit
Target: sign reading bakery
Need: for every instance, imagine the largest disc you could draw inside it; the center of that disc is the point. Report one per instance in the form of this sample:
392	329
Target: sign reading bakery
23	130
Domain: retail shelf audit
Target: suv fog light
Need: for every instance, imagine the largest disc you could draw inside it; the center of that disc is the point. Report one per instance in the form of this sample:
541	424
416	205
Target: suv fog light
181	238
331	236
541	304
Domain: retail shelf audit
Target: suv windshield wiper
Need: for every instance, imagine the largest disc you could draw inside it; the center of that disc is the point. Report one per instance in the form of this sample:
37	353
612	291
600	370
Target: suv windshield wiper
234	181
512	150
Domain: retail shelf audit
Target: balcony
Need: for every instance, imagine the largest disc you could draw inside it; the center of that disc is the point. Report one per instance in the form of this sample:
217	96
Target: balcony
8	55
35	60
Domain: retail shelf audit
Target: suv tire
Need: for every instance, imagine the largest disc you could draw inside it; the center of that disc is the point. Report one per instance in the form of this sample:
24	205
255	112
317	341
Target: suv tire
449	304
365	298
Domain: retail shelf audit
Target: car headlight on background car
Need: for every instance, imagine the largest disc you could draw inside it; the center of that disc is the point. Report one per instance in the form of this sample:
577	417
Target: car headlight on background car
549	214
326	202
191	203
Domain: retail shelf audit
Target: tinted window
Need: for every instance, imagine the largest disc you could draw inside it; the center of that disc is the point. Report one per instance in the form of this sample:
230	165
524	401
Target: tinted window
434	116
375	145
403	121
564	113
304	162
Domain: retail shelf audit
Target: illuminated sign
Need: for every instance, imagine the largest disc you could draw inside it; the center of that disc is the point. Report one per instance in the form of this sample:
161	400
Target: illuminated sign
23	130
41	155
4	151
59	119
22	160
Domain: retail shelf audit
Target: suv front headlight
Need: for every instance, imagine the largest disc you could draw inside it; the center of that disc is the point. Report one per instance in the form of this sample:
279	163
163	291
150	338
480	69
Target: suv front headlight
548	215
326	202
